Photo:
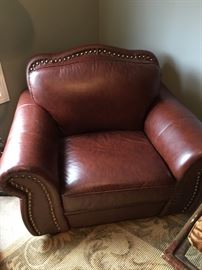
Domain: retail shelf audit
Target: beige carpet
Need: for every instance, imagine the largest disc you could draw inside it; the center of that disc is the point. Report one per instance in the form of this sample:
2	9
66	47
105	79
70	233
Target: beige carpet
128	245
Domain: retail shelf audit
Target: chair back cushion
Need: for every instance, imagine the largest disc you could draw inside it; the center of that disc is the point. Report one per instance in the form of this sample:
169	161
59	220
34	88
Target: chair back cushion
95	87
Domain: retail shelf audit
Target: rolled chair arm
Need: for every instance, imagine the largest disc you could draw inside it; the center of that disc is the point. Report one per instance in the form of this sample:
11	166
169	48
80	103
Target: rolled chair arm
177	135
29	168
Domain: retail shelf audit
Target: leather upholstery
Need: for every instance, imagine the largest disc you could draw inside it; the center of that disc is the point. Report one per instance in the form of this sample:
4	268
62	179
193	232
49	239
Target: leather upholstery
97	138
170	123
119	178
110	150
32	130
96	92
29	163
177	135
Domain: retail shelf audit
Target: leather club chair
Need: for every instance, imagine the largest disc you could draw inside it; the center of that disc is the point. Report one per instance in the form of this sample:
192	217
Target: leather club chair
97	138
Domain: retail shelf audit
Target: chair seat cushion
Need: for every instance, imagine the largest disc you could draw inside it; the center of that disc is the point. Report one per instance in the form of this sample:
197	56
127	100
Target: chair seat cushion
111	170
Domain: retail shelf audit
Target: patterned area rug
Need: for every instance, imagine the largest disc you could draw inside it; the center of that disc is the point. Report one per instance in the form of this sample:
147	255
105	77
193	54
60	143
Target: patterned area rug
129	245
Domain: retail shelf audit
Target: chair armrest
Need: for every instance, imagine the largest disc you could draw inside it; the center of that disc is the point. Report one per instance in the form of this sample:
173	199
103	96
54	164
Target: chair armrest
29	167
177	135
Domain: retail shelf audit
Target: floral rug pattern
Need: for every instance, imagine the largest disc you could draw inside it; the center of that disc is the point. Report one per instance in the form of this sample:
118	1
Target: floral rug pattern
129	245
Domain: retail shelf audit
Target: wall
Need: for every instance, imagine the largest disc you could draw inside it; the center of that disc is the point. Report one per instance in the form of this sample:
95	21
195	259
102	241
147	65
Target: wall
172	29
28	27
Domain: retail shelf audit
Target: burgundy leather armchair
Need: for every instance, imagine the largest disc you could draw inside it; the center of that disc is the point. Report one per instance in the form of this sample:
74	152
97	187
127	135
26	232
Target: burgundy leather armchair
98	138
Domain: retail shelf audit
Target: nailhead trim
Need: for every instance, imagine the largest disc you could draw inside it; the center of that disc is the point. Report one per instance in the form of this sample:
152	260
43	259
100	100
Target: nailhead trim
197	183
29	195
99	51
